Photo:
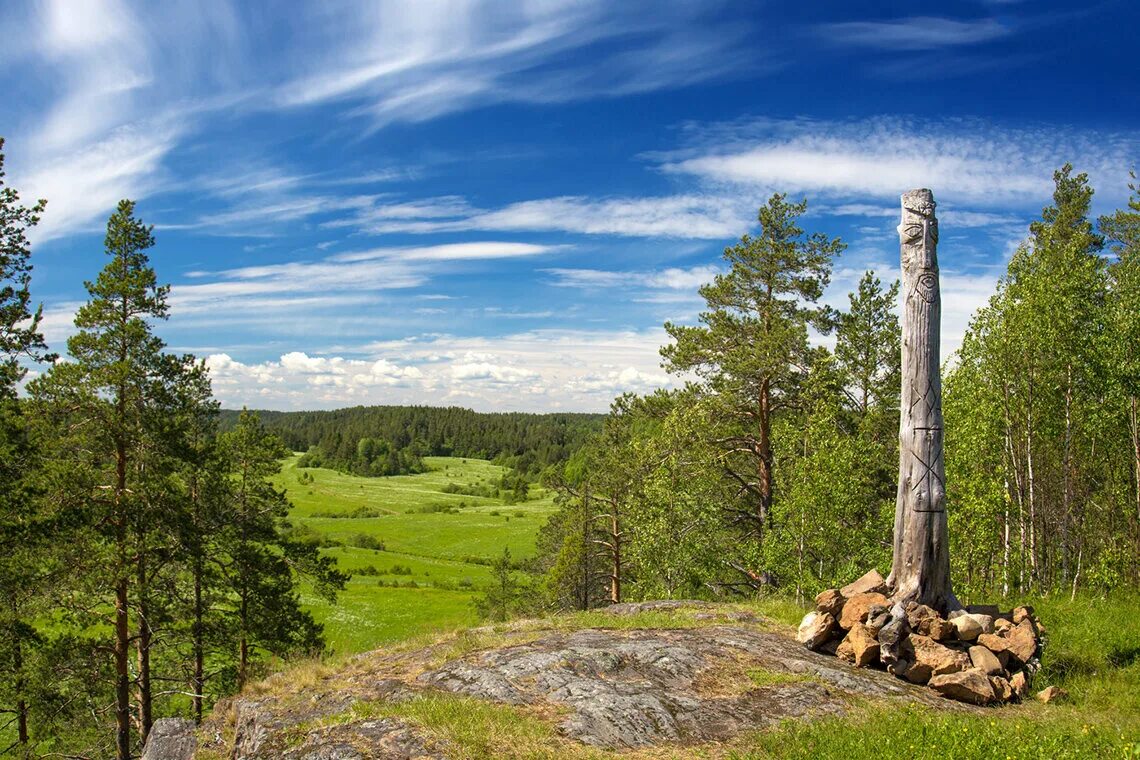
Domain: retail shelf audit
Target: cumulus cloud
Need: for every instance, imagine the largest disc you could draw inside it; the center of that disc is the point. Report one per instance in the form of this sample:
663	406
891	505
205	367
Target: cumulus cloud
533	370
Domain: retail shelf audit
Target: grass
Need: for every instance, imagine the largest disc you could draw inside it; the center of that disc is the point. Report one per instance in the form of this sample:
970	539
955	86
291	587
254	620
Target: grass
448	552
1092	651
442	543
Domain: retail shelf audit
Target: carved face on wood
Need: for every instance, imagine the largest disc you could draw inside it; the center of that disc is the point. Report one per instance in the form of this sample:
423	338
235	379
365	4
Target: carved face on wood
919	236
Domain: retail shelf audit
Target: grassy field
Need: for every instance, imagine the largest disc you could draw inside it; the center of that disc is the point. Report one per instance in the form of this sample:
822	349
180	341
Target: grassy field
433	562
436	545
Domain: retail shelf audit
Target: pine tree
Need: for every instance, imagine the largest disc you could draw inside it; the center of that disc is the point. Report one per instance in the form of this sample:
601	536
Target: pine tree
751	343
867	344
106	396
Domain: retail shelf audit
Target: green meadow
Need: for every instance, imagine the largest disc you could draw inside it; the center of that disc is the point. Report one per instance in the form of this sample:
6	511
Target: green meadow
418	554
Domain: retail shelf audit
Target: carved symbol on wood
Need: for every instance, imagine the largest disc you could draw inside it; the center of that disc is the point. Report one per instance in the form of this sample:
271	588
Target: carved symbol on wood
929	486
926	286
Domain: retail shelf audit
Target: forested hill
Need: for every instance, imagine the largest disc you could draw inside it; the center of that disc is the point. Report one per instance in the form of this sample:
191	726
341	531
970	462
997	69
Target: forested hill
525	442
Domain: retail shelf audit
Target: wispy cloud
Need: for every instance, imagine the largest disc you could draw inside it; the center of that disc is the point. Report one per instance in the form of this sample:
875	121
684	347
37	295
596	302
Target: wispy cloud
412	62
694	216
915	33
967	162
672	278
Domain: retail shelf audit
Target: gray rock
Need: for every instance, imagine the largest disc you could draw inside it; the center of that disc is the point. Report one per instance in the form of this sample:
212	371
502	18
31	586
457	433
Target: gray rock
171	739
659	605
642	687
891	637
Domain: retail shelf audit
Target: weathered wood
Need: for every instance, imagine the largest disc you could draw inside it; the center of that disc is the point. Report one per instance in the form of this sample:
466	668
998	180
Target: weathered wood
920	570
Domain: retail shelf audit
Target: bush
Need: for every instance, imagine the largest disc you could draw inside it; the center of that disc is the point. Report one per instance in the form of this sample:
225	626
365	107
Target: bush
366	541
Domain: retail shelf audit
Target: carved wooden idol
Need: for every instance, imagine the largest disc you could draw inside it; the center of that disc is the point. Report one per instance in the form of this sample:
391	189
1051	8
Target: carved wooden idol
920	570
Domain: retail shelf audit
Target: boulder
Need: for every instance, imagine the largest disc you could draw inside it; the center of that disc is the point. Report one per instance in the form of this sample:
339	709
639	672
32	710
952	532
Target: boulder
931	659
1002	690
920	617
983	609
876	620
1021	641
985	621
892	636
815	629
859	646
1021	614
830	601
1051	694
967	627
171	739
872	582
942	630
971	685
1001	625
856	608
985	660
1019	682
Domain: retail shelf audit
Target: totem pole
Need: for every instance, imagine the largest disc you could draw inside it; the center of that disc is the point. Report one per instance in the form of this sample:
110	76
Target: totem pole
920	571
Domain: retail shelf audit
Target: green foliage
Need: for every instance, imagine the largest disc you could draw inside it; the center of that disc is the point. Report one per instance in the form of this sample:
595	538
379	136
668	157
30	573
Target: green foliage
19	324
503	598
751	343
361	440
1041	432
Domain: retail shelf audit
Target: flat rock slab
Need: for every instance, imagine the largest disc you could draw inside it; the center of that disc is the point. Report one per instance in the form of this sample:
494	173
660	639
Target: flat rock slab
613	689
637	688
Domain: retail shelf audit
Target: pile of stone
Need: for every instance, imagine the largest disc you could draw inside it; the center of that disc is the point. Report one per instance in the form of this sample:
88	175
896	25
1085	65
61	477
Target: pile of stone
977	654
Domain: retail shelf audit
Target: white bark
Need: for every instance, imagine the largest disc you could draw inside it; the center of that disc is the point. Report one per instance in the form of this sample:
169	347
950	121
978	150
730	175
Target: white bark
920	570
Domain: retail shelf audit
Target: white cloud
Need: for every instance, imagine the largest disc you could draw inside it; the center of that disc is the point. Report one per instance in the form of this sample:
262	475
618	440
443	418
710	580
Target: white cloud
672	278
968	163
694	216
83	186
534	370
415	61
916	33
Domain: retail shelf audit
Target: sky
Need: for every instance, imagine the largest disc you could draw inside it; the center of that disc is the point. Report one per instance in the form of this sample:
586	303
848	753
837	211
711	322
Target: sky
497	205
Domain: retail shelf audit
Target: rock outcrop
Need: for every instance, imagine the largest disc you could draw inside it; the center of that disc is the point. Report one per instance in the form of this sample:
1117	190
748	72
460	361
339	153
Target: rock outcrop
721	672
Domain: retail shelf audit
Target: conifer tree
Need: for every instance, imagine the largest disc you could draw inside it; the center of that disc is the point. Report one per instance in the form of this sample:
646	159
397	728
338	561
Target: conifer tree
24	534
106	395
751	343
262	565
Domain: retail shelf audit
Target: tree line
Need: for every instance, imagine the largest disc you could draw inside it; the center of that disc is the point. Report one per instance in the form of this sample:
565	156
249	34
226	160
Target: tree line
391	440
145	561
774	469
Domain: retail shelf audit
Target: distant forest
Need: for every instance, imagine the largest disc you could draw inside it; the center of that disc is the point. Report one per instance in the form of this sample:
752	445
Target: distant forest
391	440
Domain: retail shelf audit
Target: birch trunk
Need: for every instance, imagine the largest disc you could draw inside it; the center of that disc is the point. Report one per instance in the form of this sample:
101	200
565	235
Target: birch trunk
920	570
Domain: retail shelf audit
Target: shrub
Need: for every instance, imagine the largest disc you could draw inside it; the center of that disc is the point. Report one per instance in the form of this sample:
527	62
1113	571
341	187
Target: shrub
366	541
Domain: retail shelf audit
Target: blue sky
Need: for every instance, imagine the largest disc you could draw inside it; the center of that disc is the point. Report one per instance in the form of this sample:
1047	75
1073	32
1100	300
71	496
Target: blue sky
498	204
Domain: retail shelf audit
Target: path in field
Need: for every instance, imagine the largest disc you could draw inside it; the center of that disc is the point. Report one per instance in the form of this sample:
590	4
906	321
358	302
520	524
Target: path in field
440	557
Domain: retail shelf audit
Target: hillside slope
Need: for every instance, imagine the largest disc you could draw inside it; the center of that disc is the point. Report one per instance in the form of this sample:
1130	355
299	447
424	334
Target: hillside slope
649	680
